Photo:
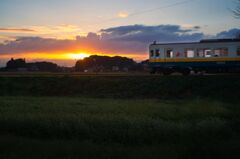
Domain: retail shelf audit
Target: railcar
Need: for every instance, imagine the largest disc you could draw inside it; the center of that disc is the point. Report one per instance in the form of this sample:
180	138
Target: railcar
212	56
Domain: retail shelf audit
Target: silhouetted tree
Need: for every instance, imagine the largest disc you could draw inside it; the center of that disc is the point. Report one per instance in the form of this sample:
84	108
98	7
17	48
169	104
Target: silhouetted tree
15	64
36	66
43	66
105	63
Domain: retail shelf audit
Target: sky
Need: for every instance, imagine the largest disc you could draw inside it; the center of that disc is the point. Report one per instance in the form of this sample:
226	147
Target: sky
64	31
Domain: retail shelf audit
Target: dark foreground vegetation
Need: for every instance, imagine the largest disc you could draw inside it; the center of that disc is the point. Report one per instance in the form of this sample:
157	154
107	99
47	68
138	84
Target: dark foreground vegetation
120	117
172	87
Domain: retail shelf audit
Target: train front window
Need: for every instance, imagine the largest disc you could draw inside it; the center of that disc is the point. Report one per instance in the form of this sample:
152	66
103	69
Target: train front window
224	52
169	53
152	53
238	51
157	53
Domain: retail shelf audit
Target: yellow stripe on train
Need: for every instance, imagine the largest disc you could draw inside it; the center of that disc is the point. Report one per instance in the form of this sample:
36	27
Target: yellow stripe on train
195	59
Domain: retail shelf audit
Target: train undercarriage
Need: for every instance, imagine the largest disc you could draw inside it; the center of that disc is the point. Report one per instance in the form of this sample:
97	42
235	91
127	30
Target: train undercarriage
194	70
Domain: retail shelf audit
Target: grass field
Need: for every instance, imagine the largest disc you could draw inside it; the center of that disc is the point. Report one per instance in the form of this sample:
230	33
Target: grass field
66	117
151	87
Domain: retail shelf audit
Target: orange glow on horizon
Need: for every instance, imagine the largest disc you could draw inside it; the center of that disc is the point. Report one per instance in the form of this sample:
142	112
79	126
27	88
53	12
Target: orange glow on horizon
61	56
49	56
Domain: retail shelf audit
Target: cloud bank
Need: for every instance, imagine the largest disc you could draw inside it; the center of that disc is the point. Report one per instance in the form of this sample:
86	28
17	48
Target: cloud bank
122	40
229	34
146	34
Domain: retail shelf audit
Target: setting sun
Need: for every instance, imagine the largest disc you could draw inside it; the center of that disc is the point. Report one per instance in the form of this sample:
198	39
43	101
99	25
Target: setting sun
78	56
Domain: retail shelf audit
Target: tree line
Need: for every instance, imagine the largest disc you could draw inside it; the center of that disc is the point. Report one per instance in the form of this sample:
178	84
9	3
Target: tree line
90	64
107	64
21	65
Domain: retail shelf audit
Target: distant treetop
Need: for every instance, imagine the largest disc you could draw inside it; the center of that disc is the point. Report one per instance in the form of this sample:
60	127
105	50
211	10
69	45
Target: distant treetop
105	63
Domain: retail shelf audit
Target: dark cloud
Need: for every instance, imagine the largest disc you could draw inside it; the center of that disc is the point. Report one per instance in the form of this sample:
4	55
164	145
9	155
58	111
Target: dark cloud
197	27
16	30
123	30
232	33
161	33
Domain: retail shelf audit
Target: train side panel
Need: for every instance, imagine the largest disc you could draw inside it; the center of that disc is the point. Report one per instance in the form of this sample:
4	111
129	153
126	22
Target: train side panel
186	57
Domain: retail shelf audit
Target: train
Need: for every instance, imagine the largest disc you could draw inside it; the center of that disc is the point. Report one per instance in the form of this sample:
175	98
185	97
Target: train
205	56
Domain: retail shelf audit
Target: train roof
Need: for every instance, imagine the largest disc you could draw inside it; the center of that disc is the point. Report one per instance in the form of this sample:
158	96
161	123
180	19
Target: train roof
201	42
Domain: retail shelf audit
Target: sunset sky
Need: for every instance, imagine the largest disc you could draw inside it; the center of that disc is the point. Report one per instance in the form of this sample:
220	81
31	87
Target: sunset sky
63	31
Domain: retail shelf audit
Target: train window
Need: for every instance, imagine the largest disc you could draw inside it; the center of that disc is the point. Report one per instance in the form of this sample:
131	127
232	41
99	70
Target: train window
217	53
220	52
200	53
189	53
207	52
204	53
238	51
169	53
151	53
157	53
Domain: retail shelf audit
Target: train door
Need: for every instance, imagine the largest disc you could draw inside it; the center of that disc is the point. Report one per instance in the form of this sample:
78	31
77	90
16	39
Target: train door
168	54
